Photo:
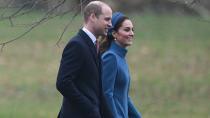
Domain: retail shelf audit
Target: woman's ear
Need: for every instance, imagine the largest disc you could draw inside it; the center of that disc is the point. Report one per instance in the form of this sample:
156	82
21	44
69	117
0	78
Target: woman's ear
114	34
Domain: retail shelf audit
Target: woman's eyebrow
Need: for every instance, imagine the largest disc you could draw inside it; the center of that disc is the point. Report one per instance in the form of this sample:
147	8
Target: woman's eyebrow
129	27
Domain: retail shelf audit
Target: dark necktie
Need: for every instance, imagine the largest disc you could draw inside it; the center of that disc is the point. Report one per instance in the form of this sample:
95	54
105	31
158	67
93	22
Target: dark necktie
97	46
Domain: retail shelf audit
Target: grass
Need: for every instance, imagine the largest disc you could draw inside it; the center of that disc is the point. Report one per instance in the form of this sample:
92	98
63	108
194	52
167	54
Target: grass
169	64
171	61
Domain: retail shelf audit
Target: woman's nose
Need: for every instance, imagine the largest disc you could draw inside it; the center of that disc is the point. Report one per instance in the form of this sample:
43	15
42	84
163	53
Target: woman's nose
131	33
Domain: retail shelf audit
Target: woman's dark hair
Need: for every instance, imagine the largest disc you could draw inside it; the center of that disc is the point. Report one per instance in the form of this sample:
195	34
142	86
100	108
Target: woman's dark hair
105	42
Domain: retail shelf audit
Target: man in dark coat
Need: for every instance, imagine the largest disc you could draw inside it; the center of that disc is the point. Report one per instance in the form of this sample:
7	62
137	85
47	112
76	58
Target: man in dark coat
79	76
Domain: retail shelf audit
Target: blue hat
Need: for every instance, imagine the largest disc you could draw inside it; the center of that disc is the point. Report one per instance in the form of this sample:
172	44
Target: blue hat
115	18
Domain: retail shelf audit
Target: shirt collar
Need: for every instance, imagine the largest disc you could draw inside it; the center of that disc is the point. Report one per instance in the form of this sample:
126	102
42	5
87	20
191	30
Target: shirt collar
92	37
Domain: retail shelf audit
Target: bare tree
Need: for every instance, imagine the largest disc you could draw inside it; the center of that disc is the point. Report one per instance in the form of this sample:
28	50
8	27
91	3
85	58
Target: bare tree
56	8
52	8
200	8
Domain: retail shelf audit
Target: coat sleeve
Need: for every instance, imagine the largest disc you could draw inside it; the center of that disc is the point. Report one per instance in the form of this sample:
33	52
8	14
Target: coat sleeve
109	72
69	70
132	111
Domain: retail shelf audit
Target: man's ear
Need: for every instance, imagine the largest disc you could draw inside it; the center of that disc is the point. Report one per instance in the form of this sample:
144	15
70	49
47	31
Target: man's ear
92	17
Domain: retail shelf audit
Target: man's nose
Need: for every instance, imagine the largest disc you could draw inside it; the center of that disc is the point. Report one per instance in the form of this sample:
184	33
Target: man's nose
110	24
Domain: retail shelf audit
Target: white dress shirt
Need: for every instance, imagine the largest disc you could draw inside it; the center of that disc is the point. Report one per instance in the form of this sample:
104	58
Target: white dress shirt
92	37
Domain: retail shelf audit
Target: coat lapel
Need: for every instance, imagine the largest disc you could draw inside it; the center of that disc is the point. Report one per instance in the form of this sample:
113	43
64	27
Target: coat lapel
91	46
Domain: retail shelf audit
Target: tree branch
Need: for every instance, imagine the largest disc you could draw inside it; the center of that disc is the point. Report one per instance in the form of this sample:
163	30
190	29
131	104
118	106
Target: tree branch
65	29
18	14
48	15
45	18
69	23
7	6
196	6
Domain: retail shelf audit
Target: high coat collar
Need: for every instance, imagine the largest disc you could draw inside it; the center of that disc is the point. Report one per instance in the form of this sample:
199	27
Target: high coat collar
121	51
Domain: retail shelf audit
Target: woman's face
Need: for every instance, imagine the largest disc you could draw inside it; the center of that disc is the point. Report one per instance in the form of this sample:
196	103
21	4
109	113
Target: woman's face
124	35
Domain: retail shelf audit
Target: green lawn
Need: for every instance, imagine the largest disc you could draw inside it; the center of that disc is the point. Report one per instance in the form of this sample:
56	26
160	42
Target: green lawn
169	64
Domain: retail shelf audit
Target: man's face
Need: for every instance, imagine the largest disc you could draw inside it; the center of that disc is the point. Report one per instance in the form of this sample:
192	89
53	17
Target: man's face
103	22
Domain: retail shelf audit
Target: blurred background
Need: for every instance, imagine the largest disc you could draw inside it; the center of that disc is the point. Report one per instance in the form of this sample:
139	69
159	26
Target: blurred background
169	60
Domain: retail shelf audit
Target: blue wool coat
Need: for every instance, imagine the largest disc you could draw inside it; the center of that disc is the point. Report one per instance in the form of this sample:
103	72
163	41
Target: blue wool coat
116	81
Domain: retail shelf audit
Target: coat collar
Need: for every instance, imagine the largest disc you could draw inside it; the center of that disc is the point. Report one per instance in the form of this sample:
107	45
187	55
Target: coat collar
90	44
118	49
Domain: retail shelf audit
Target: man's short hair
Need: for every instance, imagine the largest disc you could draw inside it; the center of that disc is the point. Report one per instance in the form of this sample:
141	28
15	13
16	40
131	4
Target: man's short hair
94	7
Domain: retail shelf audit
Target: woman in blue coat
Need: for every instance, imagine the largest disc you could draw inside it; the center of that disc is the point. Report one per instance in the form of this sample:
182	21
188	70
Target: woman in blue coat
115	71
